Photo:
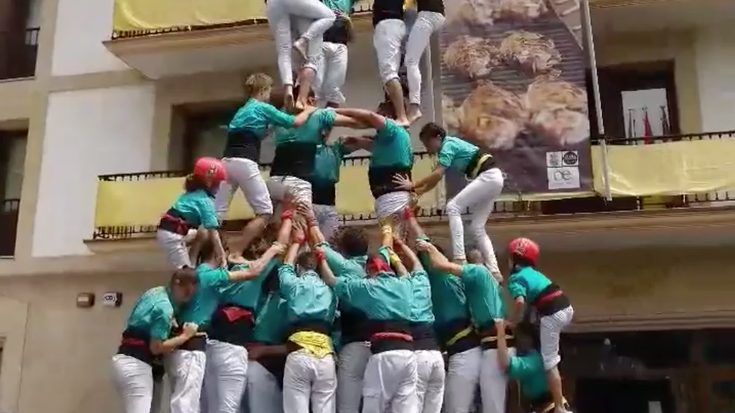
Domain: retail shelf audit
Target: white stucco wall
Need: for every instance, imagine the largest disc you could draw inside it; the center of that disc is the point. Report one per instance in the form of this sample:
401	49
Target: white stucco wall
715	55
88	133
81	27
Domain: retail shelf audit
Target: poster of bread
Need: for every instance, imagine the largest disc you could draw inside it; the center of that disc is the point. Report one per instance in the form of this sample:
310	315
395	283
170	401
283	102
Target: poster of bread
513	83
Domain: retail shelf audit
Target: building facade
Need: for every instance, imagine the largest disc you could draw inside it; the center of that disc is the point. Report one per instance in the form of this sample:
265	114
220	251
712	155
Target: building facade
88	121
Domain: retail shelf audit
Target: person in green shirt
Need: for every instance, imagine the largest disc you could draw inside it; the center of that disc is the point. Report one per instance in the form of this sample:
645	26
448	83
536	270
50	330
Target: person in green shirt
486	183
333	69
268	350
230	329
324	184
347	259
485	301
187	364
385	299
147	337
527	366
456	333
295	154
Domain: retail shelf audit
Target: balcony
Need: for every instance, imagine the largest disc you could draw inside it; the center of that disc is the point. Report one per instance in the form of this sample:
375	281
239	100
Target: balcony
224	35
8	224
18	54
668	182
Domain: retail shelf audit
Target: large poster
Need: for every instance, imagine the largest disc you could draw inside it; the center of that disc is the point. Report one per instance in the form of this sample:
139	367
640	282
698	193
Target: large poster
513	82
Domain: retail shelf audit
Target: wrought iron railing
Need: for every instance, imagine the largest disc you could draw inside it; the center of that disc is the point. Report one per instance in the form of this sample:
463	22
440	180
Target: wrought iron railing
9	224
18	52
504	210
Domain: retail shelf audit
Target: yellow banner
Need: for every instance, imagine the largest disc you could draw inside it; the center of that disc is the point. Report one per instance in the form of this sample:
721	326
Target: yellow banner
141	203
146	16
675	168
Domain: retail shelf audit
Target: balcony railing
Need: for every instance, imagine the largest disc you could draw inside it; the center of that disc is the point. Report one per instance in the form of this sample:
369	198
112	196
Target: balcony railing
504	210
8	226
18	53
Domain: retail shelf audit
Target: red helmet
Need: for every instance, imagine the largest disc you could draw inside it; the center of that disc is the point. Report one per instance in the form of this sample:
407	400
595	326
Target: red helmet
210	170
524	248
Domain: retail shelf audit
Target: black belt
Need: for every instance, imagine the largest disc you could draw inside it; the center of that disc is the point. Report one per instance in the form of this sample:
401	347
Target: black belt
323	193
436	6
338	33
294	159
424	337
386	10
381	179
389	335
137	347
353	326
489	338
232	324
196	343
243	144
473	169
173	221
551	300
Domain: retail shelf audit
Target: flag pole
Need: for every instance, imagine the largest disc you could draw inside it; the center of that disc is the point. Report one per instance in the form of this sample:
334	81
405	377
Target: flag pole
590	42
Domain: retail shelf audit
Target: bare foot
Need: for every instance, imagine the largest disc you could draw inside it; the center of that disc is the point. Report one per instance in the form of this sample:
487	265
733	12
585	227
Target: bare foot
300	46
300	105
414	112
403	122
288	103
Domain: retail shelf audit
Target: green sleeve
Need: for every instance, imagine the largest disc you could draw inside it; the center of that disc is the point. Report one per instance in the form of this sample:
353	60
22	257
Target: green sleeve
161	325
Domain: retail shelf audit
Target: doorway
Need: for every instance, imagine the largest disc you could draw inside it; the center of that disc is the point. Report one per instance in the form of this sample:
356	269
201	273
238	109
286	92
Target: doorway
623	396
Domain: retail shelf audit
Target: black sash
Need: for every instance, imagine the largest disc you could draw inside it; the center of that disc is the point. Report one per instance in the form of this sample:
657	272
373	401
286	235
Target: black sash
389	335
242	143
381	179
294	159
436	6
232	324
387	9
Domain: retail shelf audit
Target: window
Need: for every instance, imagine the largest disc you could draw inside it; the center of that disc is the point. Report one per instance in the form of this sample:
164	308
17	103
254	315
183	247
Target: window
12	161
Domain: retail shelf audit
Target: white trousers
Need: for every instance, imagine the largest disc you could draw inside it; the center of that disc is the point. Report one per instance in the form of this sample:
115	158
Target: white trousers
264	391
493	382
392	204
328	219
299	188
390	383
463	379
134	382
185	369
280	14
388	38
426	23
550	333
226	376
430	380
352	362
330	77
175	248
309	381
243	174
479	197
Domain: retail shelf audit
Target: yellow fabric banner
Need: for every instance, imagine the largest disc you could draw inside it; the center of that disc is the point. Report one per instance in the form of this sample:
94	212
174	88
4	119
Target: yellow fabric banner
674	168
141	203
146	16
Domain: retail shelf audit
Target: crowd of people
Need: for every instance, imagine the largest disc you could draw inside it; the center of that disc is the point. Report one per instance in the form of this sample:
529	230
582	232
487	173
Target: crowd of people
301	314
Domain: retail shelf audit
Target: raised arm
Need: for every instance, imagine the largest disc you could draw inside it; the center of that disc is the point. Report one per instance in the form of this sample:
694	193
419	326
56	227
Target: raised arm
438	261
349	122
324	270
366	117
503	356
414	262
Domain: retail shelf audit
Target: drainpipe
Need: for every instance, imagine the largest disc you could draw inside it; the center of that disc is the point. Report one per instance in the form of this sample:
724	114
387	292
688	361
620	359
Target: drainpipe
590	42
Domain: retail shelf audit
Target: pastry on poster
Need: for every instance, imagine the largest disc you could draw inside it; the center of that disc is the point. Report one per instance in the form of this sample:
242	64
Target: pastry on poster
450	114
529	52
492	116
472	57
488	12
559	112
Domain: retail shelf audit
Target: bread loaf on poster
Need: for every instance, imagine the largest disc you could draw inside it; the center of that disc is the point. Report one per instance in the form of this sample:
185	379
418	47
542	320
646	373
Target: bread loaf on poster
492	116
558	111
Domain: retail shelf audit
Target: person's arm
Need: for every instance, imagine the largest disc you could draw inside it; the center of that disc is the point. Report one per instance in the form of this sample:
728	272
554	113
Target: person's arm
285	120
367	117
324	270
408	252
438	261
348	122
210	222
430	181
160	328
355	143
503	356
518	291
258	266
